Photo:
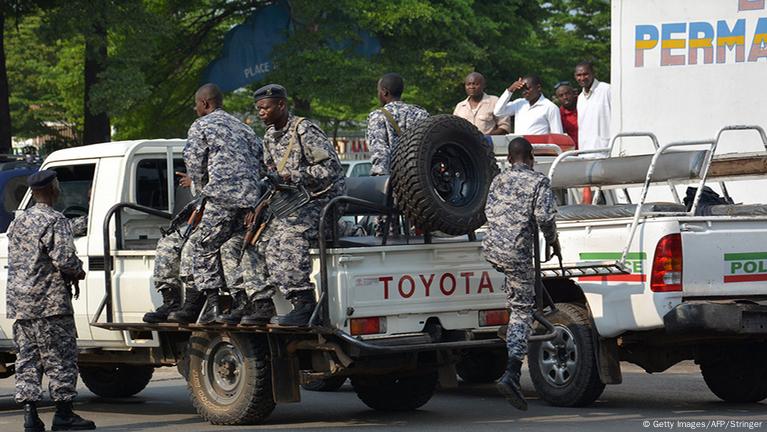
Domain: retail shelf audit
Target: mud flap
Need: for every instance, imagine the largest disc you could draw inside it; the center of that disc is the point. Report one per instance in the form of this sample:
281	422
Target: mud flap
285	377
608	361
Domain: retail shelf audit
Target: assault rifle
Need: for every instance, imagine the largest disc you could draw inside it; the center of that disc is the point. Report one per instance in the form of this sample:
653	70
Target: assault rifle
278	200
194	218
182	217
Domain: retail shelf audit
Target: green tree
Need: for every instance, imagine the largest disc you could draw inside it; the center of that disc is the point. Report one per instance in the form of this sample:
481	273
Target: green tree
432	44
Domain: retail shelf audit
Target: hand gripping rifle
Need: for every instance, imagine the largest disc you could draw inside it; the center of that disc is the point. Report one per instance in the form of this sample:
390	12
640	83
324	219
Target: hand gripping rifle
279	200
180	218
194	218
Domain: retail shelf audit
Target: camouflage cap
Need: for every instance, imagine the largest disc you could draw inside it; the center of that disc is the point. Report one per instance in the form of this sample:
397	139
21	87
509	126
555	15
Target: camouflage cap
41	179
270	91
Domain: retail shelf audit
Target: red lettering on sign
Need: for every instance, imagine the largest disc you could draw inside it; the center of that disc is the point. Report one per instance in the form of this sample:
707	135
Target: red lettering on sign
485	282
385	280
412	286
427	283
442	284
467	275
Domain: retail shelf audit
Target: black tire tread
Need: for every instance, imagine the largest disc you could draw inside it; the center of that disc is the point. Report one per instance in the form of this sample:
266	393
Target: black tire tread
383	394
482	366
740	376
116	381
409	175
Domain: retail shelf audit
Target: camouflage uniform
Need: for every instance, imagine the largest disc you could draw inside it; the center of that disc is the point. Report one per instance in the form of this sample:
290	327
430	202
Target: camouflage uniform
508	243
223	156
41	252
382	136
281	259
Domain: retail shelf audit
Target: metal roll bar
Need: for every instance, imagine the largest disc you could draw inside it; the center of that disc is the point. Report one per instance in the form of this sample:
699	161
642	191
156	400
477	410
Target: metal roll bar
648	181
107	300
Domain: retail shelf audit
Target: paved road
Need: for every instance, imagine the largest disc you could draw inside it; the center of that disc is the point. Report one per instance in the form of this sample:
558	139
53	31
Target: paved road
679	395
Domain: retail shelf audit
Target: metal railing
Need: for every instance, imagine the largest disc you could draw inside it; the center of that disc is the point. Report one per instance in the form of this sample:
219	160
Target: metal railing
107	300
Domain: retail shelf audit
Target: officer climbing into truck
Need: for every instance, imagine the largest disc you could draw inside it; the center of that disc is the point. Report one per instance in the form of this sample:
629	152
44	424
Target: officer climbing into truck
296	153
518	200
222	157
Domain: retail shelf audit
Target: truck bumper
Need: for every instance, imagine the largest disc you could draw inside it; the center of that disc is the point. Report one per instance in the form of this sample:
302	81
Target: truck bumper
731	318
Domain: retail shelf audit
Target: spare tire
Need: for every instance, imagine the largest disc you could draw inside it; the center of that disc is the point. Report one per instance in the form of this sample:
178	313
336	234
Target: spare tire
441	171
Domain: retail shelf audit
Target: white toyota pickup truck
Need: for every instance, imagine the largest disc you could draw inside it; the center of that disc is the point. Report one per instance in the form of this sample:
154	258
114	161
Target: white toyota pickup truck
652	284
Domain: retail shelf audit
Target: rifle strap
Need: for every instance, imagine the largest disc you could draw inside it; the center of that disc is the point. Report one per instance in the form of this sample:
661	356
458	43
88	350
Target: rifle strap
291	143
391	120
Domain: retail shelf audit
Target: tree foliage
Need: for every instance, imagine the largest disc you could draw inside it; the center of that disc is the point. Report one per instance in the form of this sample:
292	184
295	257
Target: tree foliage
158	49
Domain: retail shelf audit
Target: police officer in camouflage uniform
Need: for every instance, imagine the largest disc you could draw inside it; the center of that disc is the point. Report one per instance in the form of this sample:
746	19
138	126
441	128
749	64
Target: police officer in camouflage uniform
384	128
297	152
387	124
42	265
223	159
519	198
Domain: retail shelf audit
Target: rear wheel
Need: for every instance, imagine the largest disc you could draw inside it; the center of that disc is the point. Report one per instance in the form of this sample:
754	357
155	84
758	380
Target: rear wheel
325	385
737	374
564	370
229	377
395	393
116	381
482	366
441	172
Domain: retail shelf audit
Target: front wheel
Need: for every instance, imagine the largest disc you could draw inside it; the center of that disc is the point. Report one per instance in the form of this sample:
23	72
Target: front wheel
395	393
116	381
737	374
482	366
229	377
564	370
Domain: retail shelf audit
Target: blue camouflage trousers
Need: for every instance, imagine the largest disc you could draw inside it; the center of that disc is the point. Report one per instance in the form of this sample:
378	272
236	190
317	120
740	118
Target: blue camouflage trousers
280	260
46	345
519	287
173	260
217	226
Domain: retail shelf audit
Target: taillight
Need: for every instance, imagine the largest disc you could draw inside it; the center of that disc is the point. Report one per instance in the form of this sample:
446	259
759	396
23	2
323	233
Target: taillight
493	317
366	326
667	265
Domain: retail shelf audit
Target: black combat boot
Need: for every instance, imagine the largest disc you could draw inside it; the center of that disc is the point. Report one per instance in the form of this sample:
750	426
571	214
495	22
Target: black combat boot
212	310
303	306
261	312
240	308
171	302
32	422
509	386
191	308
65	419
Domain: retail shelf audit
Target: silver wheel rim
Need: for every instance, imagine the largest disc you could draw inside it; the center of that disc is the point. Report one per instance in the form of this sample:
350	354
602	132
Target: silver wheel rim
222	370
558	358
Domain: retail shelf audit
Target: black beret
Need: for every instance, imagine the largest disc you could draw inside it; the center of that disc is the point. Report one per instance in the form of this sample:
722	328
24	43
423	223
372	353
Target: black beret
41	179
270	91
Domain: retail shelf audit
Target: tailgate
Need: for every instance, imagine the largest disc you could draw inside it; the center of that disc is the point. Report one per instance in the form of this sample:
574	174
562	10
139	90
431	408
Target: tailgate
724	257
411	284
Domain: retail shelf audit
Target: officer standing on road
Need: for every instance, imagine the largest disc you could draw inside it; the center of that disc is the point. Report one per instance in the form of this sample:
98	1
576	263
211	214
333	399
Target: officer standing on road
519	198
297	152
223	159
42	266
